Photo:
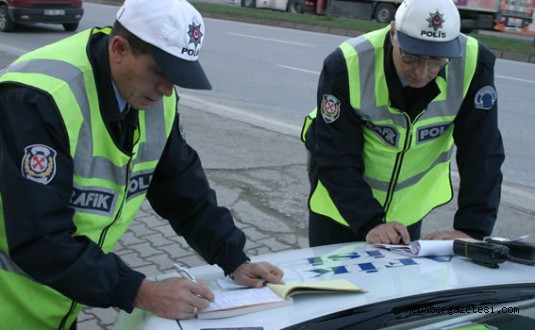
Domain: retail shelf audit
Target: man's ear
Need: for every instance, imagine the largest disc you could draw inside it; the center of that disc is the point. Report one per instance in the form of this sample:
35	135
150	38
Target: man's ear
118	48
392	30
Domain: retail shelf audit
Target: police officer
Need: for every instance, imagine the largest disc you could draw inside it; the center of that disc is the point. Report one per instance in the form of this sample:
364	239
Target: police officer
391	106
89	129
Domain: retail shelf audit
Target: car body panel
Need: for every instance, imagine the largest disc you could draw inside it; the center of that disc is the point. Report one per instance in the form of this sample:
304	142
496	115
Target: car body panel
384	275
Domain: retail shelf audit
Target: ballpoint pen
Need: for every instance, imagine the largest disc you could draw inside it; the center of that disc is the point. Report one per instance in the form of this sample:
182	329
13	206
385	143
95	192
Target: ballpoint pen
184	273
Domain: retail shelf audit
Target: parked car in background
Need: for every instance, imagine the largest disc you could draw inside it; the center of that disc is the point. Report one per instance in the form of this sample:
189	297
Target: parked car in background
292	6
65	12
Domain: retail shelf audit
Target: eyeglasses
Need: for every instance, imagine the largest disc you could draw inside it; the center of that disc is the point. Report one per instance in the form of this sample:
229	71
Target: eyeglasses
433	63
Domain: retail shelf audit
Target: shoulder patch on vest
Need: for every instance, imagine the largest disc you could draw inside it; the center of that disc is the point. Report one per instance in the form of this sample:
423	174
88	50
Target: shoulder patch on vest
485	98
39	163
330	108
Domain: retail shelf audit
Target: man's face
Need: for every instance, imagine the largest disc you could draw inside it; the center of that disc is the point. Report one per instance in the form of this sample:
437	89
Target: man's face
416	71
137	78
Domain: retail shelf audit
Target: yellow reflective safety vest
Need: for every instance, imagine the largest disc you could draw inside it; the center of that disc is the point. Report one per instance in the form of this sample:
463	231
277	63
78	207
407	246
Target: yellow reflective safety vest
109	186
406	163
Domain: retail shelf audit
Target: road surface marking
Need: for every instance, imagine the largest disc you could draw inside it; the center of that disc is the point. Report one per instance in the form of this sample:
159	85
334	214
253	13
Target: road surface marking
273	40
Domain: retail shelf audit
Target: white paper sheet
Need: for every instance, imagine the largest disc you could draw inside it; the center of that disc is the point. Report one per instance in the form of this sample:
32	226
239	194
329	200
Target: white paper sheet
421	248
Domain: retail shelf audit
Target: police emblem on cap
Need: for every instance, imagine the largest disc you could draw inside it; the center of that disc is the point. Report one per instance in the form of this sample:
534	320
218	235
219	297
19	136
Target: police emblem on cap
435	20
485	98
39	163
330	108
195	34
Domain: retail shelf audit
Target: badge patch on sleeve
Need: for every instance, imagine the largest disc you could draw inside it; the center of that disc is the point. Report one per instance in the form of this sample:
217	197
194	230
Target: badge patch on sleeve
39	163
330	108
485	98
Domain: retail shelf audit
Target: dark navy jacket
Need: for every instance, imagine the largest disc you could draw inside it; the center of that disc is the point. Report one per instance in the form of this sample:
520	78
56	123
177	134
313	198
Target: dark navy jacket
179	192
340	164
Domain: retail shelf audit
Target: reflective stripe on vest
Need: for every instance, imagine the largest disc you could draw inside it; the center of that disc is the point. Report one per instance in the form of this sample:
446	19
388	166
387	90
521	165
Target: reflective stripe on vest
407	164
109	186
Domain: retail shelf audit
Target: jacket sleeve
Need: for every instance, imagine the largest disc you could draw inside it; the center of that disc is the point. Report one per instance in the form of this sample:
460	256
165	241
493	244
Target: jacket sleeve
480	152
37	218
180	192
337	147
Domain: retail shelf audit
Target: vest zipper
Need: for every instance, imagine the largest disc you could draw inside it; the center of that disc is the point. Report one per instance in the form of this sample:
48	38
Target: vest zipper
120	212
129	167
103	234
71	309
399	161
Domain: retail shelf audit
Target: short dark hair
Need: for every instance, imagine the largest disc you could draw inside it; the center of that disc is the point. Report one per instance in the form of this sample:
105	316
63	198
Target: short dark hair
138	46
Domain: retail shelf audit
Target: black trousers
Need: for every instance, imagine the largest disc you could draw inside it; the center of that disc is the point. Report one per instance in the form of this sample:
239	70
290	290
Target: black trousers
323	231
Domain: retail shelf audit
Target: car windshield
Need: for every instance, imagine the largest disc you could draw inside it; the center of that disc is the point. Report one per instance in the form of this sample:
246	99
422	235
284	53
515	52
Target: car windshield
431	307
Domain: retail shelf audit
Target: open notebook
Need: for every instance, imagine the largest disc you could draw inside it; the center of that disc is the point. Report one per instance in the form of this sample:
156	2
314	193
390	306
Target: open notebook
242	301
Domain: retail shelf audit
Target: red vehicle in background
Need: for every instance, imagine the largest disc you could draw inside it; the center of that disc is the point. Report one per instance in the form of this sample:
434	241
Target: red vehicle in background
516	16
65	12
500	15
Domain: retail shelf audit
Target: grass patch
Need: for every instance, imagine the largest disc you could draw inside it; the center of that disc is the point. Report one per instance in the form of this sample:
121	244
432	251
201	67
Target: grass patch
505	43
323	20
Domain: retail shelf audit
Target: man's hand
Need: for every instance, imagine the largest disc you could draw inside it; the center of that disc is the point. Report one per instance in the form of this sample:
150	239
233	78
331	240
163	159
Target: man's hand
175	298
447	235
256	274
389	233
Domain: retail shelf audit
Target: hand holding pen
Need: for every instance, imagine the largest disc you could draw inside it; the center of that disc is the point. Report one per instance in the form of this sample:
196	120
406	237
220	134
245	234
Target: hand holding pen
173	298
184	273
